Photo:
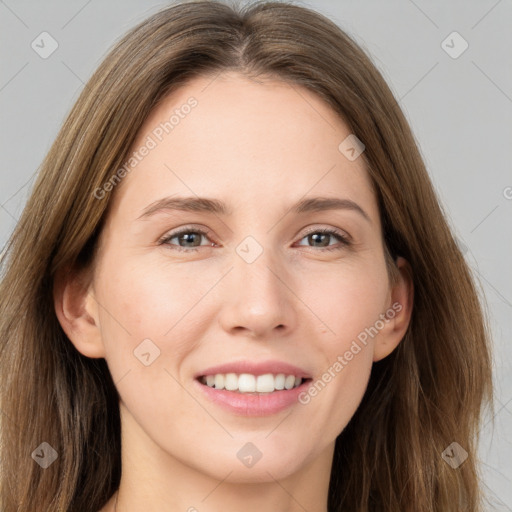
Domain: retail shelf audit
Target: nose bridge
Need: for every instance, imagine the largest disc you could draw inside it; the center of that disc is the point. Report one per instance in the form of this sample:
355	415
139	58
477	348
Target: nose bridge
261	301
257	269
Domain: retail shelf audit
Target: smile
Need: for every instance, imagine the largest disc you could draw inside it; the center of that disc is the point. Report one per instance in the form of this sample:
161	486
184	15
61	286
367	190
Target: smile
248	383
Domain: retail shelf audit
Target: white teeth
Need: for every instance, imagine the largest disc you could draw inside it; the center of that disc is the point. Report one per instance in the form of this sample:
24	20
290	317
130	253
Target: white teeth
218	381
279	383
265	383
289	382
248	383
231	382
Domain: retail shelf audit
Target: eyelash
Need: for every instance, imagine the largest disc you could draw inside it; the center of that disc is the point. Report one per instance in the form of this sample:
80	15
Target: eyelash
325	231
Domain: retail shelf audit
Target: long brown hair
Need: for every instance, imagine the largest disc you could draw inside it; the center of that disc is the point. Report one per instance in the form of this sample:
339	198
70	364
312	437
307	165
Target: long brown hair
428	393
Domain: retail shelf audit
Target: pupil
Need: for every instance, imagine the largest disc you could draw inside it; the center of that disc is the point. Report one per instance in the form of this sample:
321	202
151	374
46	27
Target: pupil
189	236
316	235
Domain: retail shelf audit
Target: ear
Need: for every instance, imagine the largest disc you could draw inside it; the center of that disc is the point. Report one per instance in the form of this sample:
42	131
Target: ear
398	312
77	311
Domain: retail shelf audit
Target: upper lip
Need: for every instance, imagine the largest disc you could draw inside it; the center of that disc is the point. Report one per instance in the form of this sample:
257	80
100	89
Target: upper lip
256	368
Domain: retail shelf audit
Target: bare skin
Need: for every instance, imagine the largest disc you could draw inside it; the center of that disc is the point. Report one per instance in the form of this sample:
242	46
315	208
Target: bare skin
260	148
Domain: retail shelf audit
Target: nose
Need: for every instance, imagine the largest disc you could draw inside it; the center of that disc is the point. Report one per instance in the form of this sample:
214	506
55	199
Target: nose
258	299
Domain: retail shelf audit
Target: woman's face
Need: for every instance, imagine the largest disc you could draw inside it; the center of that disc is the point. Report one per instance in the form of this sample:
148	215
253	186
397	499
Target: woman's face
261	289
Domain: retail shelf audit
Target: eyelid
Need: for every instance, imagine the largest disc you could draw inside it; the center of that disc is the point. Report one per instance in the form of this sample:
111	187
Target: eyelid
319	229
185	229
345	239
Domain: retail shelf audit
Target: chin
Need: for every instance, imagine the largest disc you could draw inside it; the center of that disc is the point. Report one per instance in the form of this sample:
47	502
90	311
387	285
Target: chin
267	469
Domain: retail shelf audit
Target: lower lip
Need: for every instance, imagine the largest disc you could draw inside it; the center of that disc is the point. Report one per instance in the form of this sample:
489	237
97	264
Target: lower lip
248	404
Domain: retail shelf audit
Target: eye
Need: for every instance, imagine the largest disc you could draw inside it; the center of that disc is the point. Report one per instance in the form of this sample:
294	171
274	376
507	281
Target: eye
188	235
322	235
193	236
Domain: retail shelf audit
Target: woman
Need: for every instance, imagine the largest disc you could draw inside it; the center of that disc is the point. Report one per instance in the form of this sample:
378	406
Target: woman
172	336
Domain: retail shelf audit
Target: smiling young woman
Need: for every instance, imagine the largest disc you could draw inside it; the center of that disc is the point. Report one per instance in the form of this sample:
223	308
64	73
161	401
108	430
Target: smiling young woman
233	287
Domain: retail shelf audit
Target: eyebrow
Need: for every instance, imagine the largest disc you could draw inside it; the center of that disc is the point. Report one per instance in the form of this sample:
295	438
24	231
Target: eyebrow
214	206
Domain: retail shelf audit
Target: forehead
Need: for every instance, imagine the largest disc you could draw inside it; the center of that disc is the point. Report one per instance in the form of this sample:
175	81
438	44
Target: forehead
252	144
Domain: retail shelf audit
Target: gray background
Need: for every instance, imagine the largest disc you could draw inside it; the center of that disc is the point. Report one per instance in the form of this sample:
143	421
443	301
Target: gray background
459	109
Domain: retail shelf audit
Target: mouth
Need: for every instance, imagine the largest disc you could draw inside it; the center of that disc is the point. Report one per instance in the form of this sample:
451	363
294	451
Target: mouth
247	383
252	395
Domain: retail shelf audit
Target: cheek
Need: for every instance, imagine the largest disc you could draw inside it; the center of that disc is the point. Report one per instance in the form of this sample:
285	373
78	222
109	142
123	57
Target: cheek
148	327
349	307
346	300
148	315
337	390
151	299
